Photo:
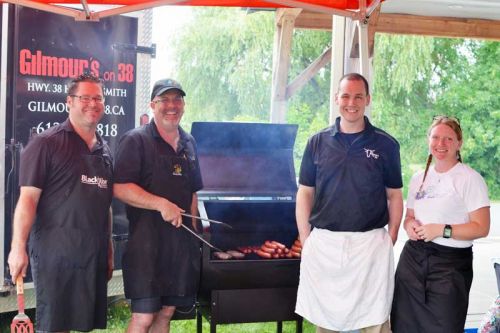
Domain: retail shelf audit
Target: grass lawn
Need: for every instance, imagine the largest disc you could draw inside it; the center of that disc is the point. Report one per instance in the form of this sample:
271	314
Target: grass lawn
119	314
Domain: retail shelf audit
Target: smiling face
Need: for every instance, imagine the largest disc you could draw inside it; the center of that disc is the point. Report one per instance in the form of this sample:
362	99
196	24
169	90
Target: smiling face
84	114
168	109
444	143
352	99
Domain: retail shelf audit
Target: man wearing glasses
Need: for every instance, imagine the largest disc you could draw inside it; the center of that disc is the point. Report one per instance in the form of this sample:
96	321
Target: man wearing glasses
65	197
350	189
157	175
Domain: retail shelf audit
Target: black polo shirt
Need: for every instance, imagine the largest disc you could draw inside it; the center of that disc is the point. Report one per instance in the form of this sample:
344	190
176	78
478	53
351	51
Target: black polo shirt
350	179
135	156
51	161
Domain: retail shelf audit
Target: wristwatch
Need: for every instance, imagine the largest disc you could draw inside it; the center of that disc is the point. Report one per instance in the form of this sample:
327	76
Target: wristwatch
447	231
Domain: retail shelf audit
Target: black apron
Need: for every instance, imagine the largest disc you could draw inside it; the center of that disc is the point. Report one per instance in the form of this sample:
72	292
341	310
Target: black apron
431	289
161	260
69	251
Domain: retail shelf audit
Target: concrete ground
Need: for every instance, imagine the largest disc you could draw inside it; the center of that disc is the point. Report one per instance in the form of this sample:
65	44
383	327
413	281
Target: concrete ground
484	285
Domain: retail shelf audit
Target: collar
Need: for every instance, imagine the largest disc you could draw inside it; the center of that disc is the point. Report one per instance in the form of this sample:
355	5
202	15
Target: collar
336	127
68	127
183	136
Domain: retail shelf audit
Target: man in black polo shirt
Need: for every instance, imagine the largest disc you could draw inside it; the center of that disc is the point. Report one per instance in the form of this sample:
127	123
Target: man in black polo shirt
66	190
157	175
349	189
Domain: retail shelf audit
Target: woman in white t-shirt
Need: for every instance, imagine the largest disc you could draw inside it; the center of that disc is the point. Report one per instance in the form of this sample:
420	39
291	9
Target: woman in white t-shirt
447	208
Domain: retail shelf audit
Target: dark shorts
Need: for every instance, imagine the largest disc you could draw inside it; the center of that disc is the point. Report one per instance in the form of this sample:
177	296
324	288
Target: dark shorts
154	304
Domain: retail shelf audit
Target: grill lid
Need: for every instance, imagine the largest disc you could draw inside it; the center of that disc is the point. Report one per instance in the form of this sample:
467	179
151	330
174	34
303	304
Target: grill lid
246	159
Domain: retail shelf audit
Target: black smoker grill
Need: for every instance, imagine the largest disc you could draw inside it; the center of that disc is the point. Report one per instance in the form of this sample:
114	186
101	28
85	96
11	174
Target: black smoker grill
249	182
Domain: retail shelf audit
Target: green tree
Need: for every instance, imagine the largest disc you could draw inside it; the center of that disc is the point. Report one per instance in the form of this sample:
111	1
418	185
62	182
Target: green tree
419	77
401	99
225	62
475	100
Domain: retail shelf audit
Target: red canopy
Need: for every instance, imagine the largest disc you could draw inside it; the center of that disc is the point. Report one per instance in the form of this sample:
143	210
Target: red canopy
338	4
355	9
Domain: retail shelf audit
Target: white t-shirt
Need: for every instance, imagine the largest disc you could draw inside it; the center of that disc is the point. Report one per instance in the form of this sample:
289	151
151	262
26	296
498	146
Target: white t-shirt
447	198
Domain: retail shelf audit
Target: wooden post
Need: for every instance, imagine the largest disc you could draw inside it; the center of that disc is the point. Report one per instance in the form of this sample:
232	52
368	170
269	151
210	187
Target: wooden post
285	21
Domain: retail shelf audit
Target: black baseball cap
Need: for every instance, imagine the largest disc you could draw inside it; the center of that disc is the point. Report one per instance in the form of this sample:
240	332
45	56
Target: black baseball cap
164	85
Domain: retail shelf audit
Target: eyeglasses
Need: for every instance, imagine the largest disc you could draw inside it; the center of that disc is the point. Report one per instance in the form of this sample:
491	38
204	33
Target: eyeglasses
177	100
86	99
441	117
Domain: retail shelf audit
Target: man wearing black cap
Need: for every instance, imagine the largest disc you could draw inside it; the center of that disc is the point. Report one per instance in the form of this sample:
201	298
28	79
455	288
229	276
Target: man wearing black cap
157	175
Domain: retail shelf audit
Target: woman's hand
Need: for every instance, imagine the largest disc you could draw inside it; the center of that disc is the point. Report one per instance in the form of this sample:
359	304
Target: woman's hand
410	225
428	232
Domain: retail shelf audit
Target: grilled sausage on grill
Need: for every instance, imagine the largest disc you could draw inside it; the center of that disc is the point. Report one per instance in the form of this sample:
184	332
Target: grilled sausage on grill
222	255
235	254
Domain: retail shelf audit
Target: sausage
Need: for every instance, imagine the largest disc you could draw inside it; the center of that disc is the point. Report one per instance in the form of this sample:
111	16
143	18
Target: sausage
263	254
235	254
278	244
295	254
267	249
270	245
296	248
297	243
289	255
222	255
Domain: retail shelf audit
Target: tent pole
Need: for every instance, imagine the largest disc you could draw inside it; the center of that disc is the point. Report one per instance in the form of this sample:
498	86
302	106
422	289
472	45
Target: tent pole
364	57
337	69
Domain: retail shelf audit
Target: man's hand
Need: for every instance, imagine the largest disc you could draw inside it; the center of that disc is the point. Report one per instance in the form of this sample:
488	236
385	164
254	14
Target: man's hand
111	259
18	262
171	213
136	196
24	217
395	207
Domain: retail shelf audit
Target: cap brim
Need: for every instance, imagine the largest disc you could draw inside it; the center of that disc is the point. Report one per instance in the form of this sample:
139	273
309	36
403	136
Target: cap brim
164	90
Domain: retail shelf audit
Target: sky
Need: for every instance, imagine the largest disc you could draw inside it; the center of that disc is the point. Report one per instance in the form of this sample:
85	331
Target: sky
167	20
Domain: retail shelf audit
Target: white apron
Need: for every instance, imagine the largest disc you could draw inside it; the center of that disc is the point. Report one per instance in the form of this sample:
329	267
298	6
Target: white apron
346	279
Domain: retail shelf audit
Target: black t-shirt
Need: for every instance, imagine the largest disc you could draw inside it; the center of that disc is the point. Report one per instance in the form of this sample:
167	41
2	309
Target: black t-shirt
134	162
51	161
350	177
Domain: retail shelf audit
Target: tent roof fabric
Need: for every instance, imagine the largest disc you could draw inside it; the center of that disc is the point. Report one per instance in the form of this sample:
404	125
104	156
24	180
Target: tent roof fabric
355	9
337	4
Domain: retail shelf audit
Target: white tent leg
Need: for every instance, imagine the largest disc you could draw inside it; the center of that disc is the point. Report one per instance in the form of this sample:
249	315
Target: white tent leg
3	111
364	57
364	60
338	51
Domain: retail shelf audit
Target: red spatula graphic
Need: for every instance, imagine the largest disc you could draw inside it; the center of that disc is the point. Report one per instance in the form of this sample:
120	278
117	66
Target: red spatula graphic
21	322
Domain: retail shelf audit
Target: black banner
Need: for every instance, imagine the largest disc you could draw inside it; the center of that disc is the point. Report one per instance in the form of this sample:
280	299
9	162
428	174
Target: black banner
48	50
52	49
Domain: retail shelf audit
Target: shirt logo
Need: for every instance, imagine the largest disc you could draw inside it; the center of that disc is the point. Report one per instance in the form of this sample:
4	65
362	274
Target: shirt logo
177	170
370	153
99	181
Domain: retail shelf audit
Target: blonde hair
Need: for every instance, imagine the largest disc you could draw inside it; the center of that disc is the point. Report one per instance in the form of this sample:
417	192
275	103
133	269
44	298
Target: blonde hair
454	124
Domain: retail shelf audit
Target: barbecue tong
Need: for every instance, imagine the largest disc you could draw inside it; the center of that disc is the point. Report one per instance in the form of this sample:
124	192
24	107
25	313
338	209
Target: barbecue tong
198	236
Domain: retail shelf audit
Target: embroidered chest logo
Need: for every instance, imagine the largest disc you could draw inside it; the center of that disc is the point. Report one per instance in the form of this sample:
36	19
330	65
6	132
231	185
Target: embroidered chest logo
177	170
370	153
98	181
430	193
